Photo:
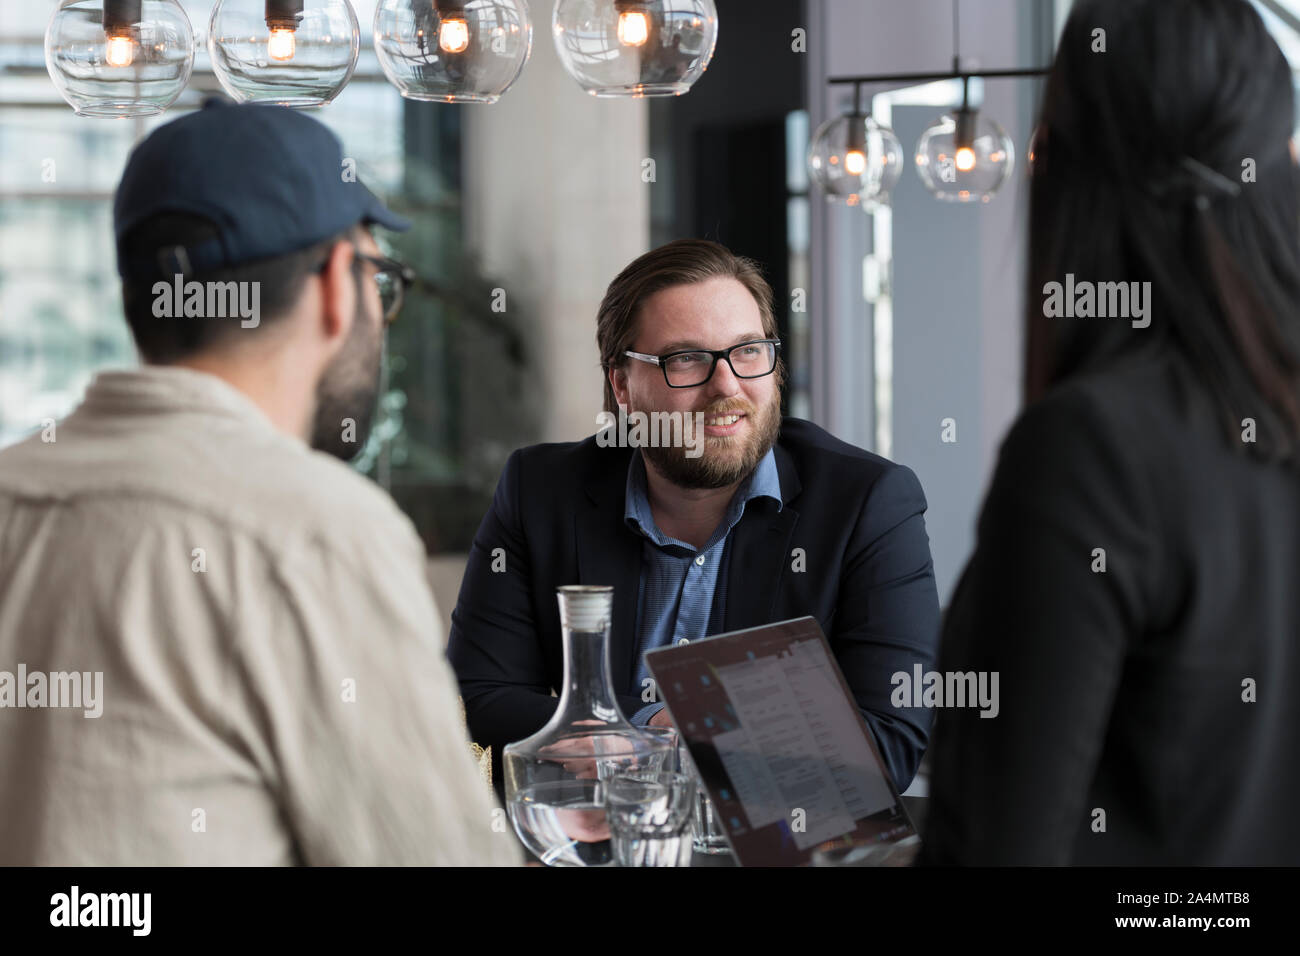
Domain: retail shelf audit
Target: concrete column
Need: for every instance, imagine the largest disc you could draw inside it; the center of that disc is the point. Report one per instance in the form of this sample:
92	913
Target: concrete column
556	205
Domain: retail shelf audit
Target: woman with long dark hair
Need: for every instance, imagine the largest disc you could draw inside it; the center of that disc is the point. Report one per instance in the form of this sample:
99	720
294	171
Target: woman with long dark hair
1136	578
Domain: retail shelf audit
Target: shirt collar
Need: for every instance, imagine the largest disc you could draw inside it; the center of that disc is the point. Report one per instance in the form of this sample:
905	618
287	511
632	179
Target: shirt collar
762	482
168	389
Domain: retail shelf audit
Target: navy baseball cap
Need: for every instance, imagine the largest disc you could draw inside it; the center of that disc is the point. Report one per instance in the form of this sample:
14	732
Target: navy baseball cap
271	179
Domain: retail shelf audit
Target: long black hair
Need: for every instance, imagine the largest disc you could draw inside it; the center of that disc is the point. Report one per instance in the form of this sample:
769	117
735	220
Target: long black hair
1163	155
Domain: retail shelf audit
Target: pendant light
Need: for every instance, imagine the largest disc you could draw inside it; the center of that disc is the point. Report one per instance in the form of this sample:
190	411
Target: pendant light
452	51
854	159
635	47
963	156
119	57
298	53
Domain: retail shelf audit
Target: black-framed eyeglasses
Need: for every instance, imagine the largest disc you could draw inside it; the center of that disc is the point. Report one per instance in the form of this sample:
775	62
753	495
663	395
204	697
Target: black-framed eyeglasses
392	277
693	367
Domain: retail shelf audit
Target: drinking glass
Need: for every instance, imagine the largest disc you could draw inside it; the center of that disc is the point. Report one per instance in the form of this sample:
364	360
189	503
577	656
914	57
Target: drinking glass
649	818
710	837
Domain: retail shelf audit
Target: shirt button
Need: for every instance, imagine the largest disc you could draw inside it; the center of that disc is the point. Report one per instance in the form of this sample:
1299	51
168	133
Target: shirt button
700	560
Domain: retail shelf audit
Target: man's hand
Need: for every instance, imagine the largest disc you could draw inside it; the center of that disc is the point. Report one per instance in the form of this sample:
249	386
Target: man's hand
661	719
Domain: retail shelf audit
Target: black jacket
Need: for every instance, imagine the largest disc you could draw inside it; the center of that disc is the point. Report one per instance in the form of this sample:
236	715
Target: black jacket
558	515
1122	689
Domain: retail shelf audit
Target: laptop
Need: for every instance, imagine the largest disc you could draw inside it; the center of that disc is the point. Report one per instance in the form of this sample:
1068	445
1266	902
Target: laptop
781	746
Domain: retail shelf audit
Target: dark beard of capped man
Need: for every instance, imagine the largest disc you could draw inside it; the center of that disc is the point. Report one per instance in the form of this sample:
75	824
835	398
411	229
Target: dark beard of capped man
349	389
726	459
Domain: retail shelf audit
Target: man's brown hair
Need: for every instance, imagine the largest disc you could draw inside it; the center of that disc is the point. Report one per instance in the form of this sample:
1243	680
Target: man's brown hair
680	262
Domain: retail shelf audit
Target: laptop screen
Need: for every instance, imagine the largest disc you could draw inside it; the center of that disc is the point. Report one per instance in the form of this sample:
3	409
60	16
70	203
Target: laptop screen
788	760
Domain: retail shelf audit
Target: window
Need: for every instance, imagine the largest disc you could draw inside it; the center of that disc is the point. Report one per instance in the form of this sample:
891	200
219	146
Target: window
452	406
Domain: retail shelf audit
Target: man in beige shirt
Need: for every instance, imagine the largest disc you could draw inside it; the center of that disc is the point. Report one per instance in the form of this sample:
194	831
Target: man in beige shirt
217	645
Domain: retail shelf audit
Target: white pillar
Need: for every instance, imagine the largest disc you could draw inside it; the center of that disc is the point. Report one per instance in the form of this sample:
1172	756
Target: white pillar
555	206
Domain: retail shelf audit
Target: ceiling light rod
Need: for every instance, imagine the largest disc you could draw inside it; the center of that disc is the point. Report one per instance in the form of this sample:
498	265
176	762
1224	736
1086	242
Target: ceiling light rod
930	77
956	73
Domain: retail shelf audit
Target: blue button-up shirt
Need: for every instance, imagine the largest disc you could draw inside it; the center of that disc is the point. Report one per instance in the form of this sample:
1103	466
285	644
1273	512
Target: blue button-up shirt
681	588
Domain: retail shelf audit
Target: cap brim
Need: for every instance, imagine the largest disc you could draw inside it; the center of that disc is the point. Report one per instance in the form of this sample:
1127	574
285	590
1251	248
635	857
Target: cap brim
377	212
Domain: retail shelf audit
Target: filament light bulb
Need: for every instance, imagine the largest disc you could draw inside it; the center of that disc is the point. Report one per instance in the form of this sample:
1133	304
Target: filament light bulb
281	44
119	51
453	35
633	28
855	162
964	156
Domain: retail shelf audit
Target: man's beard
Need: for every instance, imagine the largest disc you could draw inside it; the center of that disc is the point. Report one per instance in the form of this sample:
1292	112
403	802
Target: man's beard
348	389
726	459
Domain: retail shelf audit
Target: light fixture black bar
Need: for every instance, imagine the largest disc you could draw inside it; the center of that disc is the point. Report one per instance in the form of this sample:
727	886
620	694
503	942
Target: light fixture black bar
945	75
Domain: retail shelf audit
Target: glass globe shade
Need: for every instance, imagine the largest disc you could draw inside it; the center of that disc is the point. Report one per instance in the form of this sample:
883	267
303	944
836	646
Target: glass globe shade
119	57
855	160
635	47
298	53
452	51
964	174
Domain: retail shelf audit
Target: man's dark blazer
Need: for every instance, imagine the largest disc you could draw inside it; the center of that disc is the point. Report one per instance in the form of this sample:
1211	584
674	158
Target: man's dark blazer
866	576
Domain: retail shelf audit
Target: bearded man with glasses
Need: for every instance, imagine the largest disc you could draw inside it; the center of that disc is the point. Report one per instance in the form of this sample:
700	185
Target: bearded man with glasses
774	519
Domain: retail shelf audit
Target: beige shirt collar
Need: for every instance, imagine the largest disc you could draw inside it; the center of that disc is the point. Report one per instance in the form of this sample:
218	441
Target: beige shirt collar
166	389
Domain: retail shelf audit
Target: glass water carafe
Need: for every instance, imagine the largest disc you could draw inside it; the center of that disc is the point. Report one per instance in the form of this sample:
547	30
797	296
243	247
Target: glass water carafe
554	780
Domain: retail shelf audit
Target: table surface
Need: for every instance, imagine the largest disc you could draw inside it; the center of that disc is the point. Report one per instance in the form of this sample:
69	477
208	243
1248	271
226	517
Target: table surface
916	807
